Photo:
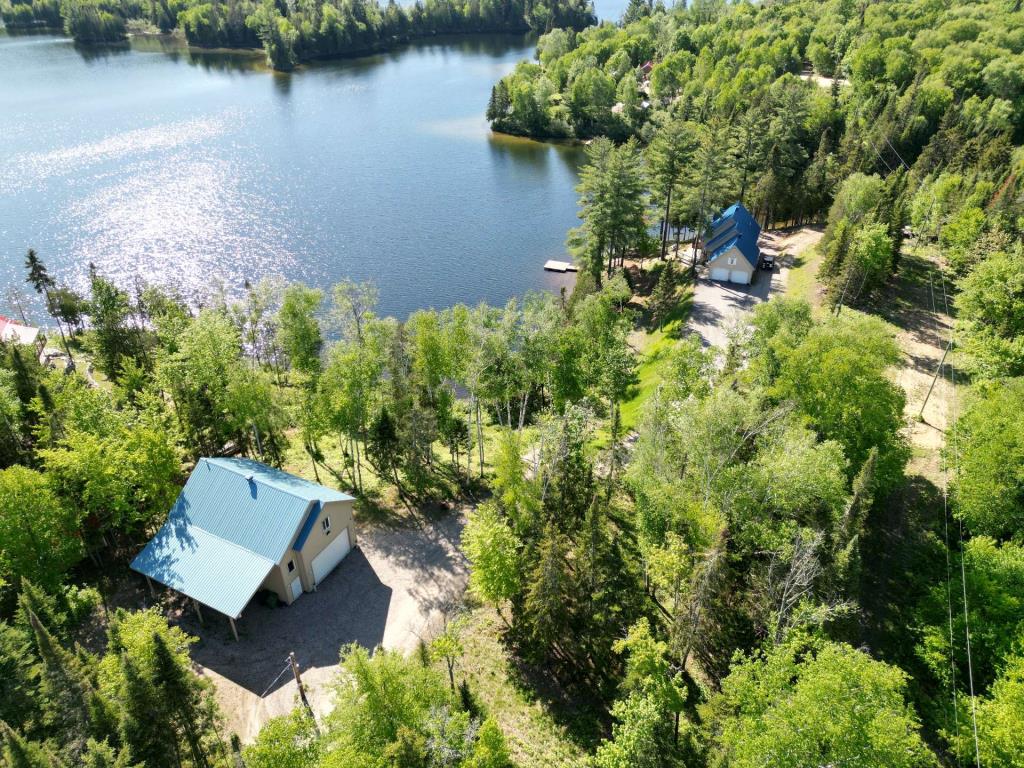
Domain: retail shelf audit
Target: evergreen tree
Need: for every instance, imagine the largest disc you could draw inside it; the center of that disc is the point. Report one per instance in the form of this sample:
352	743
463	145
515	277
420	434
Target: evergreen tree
613	206
99	754
114	337
590	240
182	697
498	105
636	10
667	155
18	752
545	611
39	278
71	705
663	297
49	609
19	703
145	728
708	181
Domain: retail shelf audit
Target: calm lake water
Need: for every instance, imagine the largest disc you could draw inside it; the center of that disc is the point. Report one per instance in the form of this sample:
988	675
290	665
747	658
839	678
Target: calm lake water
187	169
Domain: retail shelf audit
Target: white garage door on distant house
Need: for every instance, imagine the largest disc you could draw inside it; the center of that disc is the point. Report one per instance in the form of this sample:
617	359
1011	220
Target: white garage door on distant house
333	554
296	588
739	277
730	248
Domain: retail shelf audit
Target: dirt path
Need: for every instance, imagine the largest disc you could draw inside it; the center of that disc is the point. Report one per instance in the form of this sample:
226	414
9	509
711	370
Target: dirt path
792	243
917	305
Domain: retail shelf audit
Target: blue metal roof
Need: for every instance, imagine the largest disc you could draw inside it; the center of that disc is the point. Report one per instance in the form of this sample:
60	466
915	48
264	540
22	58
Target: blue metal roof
734	228
232	517
279	479
307	528
196	563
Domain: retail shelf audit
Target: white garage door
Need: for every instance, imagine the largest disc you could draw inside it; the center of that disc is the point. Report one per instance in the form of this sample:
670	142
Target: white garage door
333	554
738	276
296	588
719	273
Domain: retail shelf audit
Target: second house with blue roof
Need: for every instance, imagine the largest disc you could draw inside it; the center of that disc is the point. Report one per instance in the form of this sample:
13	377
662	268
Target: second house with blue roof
731	250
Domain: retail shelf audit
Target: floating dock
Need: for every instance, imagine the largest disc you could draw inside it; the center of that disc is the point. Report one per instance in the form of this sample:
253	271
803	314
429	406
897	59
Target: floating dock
559	266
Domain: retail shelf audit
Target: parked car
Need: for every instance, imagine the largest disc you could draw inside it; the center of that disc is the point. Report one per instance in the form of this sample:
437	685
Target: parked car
767	261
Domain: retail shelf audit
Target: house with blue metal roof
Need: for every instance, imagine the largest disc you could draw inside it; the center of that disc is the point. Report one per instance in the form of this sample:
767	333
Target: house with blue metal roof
239	526
731	250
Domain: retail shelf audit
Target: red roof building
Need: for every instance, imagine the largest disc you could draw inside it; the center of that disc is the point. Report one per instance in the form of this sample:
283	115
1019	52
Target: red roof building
16	332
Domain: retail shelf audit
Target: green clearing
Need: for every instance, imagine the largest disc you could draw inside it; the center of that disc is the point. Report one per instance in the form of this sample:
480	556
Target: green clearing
802	282
536	739
652	346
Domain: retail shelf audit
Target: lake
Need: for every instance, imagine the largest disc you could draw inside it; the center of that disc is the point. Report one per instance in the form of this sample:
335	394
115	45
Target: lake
193	169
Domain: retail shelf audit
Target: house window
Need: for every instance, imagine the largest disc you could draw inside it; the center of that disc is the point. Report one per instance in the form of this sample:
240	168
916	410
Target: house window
326	524
732	261
291	566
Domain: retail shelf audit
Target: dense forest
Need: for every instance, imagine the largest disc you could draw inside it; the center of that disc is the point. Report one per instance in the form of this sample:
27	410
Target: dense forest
777	104
739	572
291	32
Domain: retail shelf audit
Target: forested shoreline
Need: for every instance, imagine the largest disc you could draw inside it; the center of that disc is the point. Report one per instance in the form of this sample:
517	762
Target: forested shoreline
294	32
725	557
775	104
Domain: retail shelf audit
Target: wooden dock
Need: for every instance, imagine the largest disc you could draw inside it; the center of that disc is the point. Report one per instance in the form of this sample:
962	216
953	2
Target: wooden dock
559	266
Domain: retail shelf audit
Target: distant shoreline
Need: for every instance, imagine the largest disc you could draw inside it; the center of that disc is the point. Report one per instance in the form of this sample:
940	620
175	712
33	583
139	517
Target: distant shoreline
178	37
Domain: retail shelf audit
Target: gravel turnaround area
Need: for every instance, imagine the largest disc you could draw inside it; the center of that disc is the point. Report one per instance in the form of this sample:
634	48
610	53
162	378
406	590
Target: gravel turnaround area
717	306
389	591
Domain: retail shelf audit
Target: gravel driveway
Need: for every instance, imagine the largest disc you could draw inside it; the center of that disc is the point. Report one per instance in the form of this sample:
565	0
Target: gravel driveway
389	591
718	306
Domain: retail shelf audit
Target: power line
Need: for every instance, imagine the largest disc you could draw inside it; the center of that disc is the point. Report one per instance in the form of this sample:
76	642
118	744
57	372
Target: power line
879	155
287	668
907	167
960	532
842	296
945	523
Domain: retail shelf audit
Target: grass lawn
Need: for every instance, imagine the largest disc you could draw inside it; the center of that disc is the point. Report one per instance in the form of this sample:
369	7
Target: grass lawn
535	739
653	346
802	282
648	372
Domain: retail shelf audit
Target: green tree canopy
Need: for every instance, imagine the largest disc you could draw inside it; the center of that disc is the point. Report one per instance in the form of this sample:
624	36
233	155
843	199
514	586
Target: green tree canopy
827	704
991	304
40	537
837	376
987	455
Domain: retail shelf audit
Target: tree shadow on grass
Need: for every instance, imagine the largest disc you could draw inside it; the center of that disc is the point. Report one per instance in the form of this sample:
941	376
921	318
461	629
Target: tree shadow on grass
675	323
371	509
575	708
903	558
914	301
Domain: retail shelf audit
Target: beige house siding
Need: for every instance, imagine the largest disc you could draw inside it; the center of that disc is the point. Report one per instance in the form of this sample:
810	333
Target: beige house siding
341	517
280	579
741	265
